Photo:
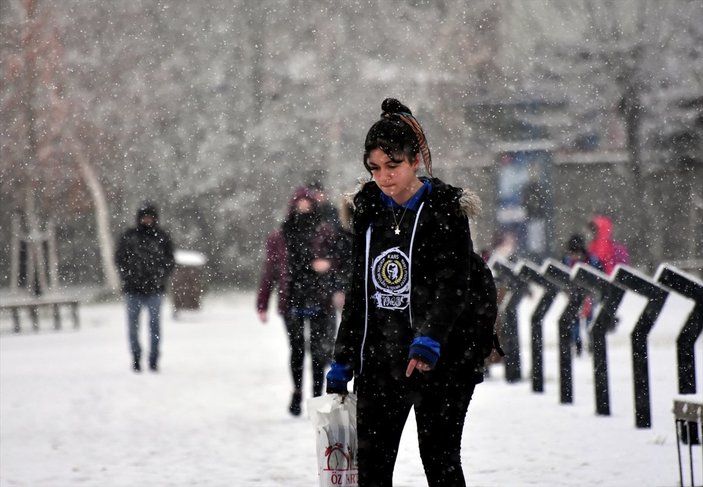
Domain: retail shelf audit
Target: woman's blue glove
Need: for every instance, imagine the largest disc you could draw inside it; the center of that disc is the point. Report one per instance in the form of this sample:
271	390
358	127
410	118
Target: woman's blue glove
425	349
338	377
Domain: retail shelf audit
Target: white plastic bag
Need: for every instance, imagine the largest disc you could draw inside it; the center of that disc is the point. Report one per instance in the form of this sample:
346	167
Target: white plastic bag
334	419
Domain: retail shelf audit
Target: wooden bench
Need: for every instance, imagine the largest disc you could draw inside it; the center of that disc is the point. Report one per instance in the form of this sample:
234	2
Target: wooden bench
32	306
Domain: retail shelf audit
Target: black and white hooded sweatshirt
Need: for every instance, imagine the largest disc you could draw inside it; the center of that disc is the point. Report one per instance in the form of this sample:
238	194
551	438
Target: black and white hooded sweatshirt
410	285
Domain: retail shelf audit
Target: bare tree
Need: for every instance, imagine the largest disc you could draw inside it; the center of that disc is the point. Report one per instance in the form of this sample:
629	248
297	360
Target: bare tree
41	115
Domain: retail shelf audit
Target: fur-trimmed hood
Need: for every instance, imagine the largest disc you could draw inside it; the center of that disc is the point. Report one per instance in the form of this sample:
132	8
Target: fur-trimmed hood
468	201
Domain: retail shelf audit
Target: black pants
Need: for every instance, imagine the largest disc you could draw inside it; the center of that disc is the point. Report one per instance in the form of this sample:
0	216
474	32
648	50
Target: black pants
322	329
440	409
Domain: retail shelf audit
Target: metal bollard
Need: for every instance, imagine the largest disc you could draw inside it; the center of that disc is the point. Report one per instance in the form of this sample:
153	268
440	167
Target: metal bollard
509	333
691	288
530	273
610	295
560	276
656	295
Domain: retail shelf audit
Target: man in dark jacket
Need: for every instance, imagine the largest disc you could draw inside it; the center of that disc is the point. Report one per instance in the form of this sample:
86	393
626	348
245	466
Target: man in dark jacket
144	259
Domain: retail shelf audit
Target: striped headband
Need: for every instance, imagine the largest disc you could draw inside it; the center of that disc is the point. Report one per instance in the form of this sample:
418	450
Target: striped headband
412	122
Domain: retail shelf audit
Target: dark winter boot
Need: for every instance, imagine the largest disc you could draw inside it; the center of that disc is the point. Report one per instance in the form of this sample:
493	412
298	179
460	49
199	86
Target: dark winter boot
294	407
136	366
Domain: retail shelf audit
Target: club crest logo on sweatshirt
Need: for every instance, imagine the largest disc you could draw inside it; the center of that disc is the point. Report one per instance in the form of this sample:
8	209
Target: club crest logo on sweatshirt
390	271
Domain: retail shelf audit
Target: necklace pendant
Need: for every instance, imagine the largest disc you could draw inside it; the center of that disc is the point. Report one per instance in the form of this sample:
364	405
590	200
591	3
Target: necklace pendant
396	231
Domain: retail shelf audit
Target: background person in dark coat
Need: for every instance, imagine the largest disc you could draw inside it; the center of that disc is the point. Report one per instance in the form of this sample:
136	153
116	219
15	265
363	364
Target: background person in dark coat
301	260
576	252
144	260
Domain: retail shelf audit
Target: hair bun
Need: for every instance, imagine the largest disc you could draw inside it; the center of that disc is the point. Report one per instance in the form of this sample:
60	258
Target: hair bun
391	105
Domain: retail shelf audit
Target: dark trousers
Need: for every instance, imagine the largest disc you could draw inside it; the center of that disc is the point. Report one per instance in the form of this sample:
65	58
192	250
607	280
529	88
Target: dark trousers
152	302
440	409
321	338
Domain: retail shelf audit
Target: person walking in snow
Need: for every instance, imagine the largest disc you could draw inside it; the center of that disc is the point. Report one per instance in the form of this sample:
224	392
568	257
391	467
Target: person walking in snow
576	252
144	259
602	246
404	338
301	262
608	252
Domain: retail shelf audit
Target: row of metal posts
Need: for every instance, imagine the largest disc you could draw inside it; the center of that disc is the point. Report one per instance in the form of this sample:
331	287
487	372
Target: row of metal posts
577	283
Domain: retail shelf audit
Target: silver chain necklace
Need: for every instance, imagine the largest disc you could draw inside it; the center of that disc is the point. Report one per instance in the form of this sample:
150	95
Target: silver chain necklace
396	230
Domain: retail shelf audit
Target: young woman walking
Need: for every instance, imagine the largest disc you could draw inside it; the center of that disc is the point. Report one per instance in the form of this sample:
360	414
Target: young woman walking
404	335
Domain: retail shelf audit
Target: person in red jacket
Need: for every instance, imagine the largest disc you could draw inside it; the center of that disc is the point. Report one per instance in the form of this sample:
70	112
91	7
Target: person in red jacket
301	262
602	246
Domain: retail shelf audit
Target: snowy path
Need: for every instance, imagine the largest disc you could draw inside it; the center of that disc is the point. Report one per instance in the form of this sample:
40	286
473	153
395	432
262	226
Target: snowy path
72	412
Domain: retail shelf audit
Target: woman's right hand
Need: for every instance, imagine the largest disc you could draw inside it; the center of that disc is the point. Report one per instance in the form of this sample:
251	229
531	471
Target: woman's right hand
417	364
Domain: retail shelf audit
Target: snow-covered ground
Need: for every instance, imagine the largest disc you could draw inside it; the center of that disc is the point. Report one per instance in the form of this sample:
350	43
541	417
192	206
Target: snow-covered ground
73	413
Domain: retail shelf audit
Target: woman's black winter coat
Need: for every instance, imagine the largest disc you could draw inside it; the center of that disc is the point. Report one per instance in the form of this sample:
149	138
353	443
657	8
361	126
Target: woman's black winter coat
440	279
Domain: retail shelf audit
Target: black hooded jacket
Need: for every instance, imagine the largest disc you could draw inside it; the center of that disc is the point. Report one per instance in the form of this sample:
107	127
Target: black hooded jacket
144	257
306	239
438	268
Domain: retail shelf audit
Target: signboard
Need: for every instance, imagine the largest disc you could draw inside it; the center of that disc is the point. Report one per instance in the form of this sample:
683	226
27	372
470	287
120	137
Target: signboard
525	204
